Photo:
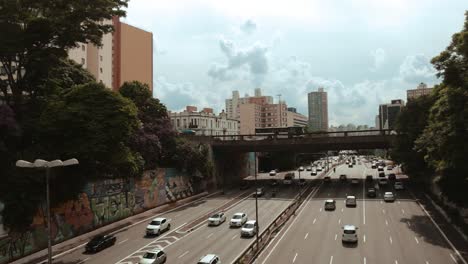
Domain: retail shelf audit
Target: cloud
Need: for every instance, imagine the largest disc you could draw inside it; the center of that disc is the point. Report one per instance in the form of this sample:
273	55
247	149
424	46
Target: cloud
416	69
248	27
253	59
379	56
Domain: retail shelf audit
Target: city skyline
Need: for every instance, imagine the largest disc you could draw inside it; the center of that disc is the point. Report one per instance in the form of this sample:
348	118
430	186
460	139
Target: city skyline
363	53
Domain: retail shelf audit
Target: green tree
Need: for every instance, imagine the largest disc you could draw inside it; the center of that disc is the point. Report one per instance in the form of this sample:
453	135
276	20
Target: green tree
93	124
410	125
36	34
155	136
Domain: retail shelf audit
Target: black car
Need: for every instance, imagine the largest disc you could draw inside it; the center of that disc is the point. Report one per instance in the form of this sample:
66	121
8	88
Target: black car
343	177
100	242
371	192
244	185
392	176
327	179
369	178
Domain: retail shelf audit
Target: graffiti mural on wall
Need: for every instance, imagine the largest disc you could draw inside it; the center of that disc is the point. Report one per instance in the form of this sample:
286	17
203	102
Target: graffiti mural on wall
100	203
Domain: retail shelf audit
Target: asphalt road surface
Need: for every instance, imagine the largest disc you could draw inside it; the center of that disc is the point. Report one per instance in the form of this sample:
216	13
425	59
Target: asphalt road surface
395	232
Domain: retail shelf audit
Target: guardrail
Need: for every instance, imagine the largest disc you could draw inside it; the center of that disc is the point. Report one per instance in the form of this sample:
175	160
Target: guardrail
249	255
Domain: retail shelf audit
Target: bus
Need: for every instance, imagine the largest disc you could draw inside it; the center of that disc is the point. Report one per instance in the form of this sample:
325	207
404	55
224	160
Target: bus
280	131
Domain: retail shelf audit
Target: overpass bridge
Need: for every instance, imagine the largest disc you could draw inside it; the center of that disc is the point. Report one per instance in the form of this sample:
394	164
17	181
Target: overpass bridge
306	142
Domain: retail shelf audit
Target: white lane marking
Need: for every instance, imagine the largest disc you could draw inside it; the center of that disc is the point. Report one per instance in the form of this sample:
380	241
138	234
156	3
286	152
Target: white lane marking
331	259
339	221
383	211
454	259
364	238
209	235
292	224
294	259
336	236
403	211
441	232
381	202
365	261
306	236
123	241
320	209
342	209
427	262
417	241
364	198
234	237
179	227
391	241
181	256
83	261
409	223
396	261
398	202
315	219
386	222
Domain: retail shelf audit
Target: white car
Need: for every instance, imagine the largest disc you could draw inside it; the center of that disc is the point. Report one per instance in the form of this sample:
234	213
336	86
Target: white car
354	181
155	256
238	219
319	168
301	168
209	259
157	226
399	186
349	234
272	173
249	229
351	201
389	197
309	169
217	219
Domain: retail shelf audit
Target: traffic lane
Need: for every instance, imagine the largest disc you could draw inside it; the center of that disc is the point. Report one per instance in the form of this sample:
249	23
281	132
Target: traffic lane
133	238
419	231
225	241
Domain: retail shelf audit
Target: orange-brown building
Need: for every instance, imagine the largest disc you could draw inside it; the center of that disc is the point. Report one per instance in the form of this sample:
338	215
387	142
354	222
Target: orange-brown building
125	55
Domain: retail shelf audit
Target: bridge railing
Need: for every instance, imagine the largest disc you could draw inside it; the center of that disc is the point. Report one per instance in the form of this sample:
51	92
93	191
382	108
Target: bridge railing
274	136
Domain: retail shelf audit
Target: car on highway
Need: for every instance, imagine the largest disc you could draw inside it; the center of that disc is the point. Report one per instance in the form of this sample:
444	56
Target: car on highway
244	185
350	201
288	178
327	179
217	219
350	165
238	219
319	168
371	192
209	259
374	166
380	168
155	256
249	229
259	192
309	168
343	177
369	178
389	197
100	242
354	181
157	226
330	204
272	173
381	174
349	234
398	185
392	176
389	167
314	172
301	168
383	181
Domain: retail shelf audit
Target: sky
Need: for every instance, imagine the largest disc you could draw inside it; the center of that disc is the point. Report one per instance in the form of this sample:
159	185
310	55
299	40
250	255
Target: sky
362	52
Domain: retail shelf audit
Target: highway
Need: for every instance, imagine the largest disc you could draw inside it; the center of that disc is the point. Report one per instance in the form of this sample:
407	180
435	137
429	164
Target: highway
184	245
398	232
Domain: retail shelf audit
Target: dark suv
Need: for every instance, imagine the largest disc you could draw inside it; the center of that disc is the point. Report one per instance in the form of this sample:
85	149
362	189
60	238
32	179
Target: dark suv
343	177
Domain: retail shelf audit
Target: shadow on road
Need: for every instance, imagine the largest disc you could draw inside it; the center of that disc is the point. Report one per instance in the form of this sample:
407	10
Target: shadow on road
423	227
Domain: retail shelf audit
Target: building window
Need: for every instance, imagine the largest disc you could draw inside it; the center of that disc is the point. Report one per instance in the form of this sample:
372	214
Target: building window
100	57
100	69
83	61
83	47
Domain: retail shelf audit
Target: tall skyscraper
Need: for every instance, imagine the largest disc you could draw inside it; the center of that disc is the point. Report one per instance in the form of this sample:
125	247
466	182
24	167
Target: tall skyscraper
388	113
318	110
125	55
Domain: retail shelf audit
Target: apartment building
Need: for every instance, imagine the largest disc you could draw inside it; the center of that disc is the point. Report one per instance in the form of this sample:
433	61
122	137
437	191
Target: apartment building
125	55
204	122
233	104
388	113
421	90
318	110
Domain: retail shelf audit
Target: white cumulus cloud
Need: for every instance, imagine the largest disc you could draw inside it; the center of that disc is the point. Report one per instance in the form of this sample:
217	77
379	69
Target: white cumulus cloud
379	56
248	27
416	69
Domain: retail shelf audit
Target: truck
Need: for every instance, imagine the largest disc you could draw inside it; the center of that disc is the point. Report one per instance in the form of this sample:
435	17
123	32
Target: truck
157	226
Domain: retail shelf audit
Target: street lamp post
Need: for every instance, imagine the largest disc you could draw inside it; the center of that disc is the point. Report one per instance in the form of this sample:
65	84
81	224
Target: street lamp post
47	165
256	201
